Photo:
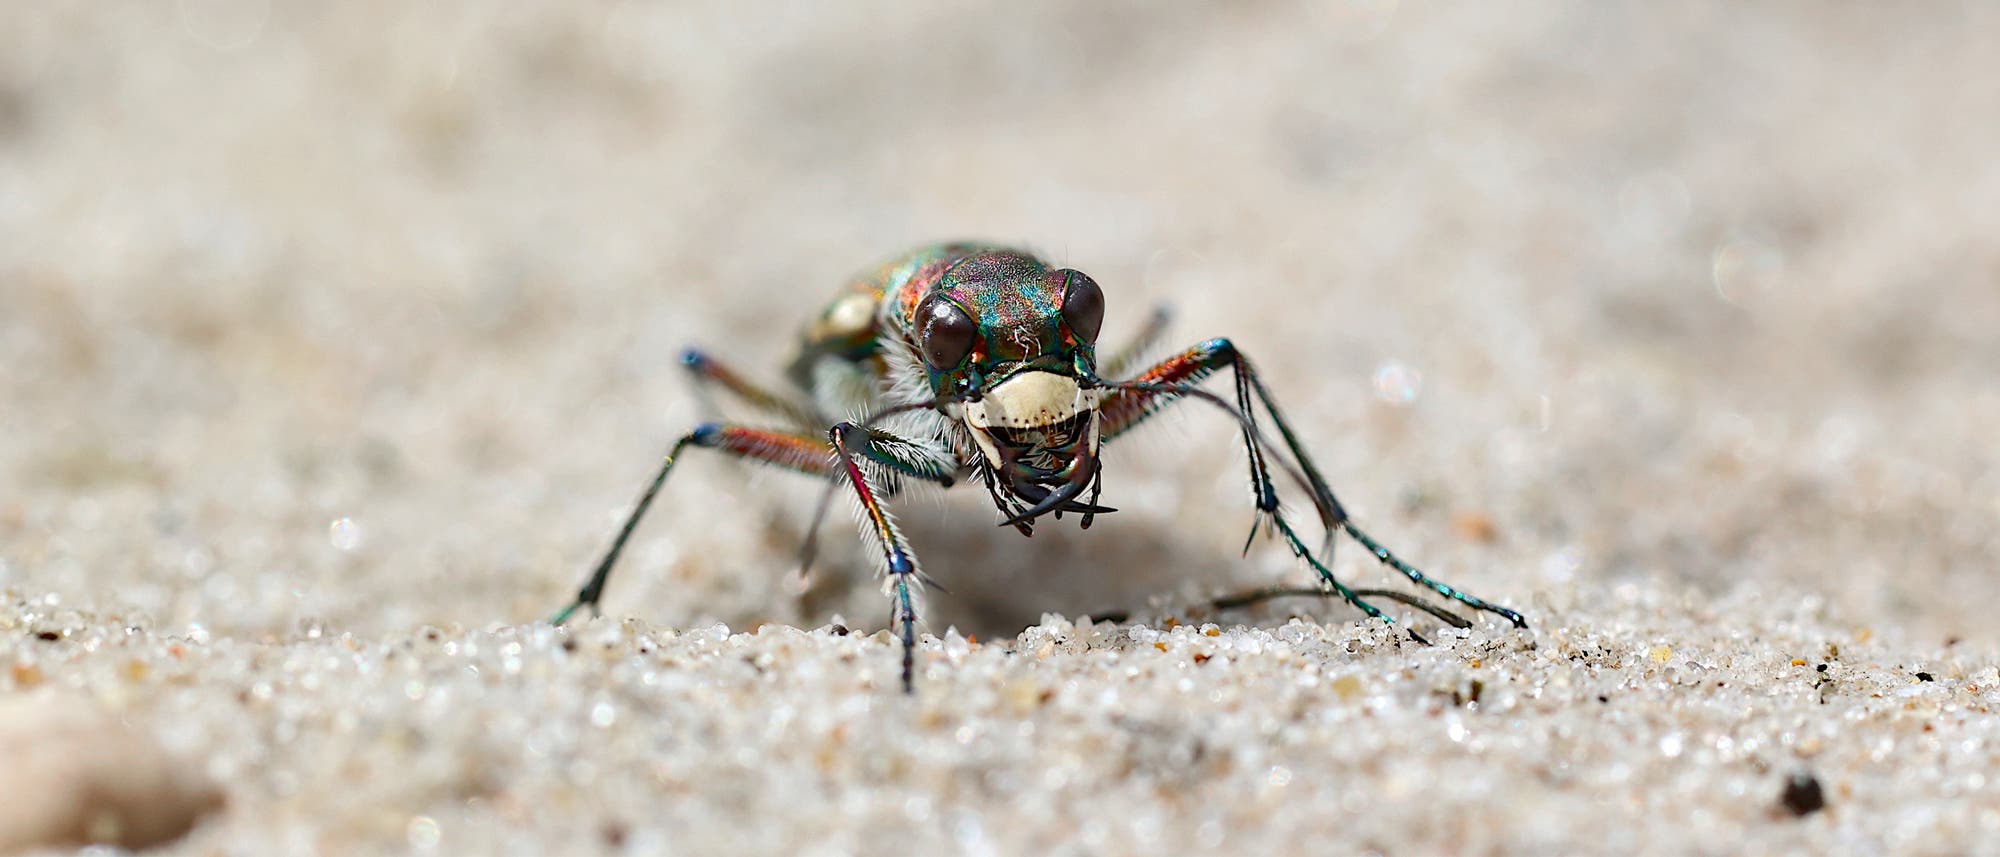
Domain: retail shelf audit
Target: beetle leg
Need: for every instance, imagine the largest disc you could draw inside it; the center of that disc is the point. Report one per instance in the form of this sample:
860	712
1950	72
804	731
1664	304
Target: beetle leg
902	458
1129	403
1126	405
711	372
1276	591
799	452
1323	497
854	443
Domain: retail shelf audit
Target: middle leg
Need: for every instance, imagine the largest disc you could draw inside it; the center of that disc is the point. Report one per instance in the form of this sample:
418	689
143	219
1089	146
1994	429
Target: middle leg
1131	402
802	453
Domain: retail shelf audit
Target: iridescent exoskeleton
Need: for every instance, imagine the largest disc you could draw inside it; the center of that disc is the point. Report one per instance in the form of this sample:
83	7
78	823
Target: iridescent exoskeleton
968	360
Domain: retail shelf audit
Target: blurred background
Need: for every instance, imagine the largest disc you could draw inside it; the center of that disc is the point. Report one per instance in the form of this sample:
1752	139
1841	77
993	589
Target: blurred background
365	315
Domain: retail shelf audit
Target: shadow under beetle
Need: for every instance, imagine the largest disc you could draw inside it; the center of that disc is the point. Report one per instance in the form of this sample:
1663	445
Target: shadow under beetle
970	360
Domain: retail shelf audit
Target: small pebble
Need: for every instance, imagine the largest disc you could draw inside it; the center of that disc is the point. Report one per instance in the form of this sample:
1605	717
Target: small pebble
1802	795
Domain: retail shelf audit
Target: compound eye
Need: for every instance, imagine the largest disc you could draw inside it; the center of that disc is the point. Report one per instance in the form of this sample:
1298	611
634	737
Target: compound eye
944	333
1083	307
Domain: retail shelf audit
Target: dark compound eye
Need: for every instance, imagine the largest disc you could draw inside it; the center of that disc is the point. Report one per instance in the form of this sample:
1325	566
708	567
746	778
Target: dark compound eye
944	333
1083	307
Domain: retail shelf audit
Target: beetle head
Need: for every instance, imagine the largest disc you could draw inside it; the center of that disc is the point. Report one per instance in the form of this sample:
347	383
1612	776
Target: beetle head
1011	345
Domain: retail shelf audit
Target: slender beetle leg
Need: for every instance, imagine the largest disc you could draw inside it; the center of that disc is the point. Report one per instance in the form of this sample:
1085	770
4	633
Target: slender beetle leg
853	443
907	458
1275	592
1131	402
1331	508
846	445
803	453
1127	404
712	372
1272	593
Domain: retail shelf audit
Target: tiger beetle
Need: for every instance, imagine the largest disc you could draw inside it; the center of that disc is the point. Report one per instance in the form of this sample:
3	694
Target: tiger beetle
971	360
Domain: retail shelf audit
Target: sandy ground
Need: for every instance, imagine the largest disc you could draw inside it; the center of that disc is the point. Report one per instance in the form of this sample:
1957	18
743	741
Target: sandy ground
335	339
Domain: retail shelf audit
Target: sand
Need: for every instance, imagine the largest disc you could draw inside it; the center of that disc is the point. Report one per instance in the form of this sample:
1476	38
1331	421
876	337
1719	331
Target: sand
334	342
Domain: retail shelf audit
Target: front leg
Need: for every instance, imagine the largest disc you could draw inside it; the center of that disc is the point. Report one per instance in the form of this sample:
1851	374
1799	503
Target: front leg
1131	402
854	443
